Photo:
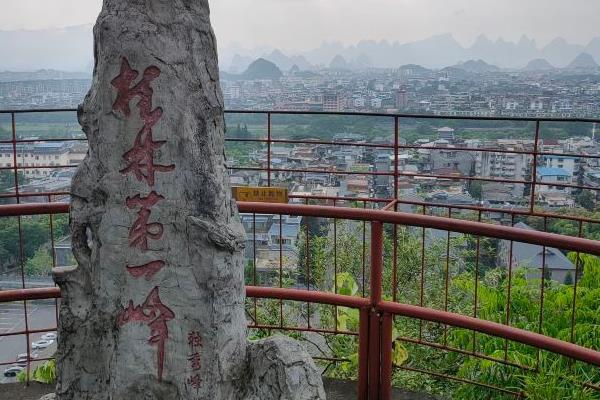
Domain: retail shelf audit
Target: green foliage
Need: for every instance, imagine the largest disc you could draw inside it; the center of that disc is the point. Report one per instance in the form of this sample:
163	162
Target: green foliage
586	199
566	227
40	264
44	373
4	133
476	189
7	181
36	233
590	279
556	382
249	273
557	378
469	276
347	318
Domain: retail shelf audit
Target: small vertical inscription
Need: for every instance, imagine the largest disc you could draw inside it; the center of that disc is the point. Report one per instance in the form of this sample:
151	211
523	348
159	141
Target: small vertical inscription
195	360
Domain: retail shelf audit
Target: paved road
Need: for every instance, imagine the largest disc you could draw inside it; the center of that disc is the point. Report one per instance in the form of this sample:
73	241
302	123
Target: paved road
40	315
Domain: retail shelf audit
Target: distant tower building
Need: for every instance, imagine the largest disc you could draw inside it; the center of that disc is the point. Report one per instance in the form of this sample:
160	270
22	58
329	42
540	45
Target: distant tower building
383	183
401	99
446	133
331	102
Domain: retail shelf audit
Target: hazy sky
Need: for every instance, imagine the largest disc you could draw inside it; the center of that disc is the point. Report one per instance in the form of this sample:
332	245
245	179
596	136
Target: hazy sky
304	24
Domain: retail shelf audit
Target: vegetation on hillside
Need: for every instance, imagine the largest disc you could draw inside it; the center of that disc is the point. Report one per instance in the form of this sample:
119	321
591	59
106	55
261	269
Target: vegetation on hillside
467	277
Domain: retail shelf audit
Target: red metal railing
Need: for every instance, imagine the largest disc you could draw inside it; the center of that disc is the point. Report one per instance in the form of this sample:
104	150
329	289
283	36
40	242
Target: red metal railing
375	332
376	315
394	144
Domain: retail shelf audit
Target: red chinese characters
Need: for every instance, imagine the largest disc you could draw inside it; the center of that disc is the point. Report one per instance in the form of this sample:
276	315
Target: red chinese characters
140	162
147	270
195	359
195	381
194	339
140	159
156	315
142	230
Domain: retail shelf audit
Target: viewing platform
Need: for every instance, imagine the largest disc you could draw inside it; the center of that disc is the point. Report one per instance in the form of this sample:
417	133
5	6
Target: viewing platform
457	265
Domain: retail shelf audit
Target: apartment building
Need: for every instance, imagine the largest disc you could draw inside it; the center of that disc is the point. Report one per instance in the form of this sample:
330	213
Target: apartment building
32	156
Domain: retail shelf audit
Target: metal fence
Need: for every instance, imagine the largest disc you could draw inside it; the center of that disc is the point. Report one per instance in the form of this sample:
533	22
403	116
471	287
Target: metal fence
380	302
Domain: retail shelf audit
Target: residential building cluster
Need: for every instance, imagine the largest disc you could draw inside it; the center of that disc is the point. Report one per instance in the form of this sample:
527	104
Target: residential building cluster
447	169
413	89
50	93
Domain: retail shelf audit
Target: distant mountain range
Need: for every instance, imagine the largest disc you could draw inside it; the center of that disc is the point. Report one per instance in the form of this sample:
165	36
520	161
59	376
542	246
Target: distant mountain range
70	49
265	69
259	69
583	61
539	64
434	52
477	66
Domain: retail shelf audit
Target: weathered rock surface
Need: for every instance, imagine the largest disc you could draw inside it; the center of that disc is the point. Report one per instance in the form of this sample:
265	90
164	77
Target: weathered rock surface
282	369
155	307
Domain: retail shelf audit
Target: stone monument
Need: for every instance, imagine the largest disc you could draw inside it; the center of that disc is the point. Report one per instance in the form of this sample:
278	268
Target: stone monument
154	310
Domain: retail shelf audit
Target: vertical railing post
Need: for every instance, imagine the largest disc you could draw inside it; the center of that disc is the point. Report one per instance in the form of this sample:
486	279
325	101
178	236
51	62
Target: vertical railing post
536	150
396	146
376	262
386	356
374	355
363	354
15	157
269	149
374	318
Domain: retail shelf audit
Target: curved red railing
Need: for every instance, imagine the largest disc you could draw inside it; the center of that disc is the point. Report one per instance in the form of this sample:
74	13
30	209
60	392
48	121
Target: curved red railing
375	337
376	315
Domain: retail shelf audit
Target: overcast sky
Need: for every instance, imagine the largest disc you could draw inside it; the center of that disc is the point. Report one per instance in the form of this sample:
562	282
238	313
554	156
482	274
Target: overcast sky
304	24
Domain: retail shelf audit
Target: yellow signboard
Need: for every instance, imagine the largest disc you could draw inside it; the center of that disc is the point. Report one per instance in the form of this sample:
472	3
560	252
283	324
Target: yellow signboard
260	194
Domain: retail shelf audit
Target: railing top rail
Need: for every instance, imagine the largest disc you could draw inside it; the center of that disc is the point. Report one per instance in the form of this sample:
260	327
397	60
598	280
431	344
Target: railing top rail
391	217
427	221
415	116
353	113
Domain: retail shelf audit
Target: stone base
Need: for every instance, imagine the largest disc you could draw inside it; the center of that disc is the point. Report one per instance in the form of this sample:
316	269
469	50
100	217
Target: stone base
280	368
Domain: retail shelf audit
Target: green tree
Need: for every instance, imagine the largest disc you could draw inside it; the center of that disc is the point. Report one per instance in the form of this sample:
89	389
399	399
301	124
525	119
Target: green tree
424	130
35	230
475	189
4	133
7	180
40	264
586	199
569	278
556	378
44	373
